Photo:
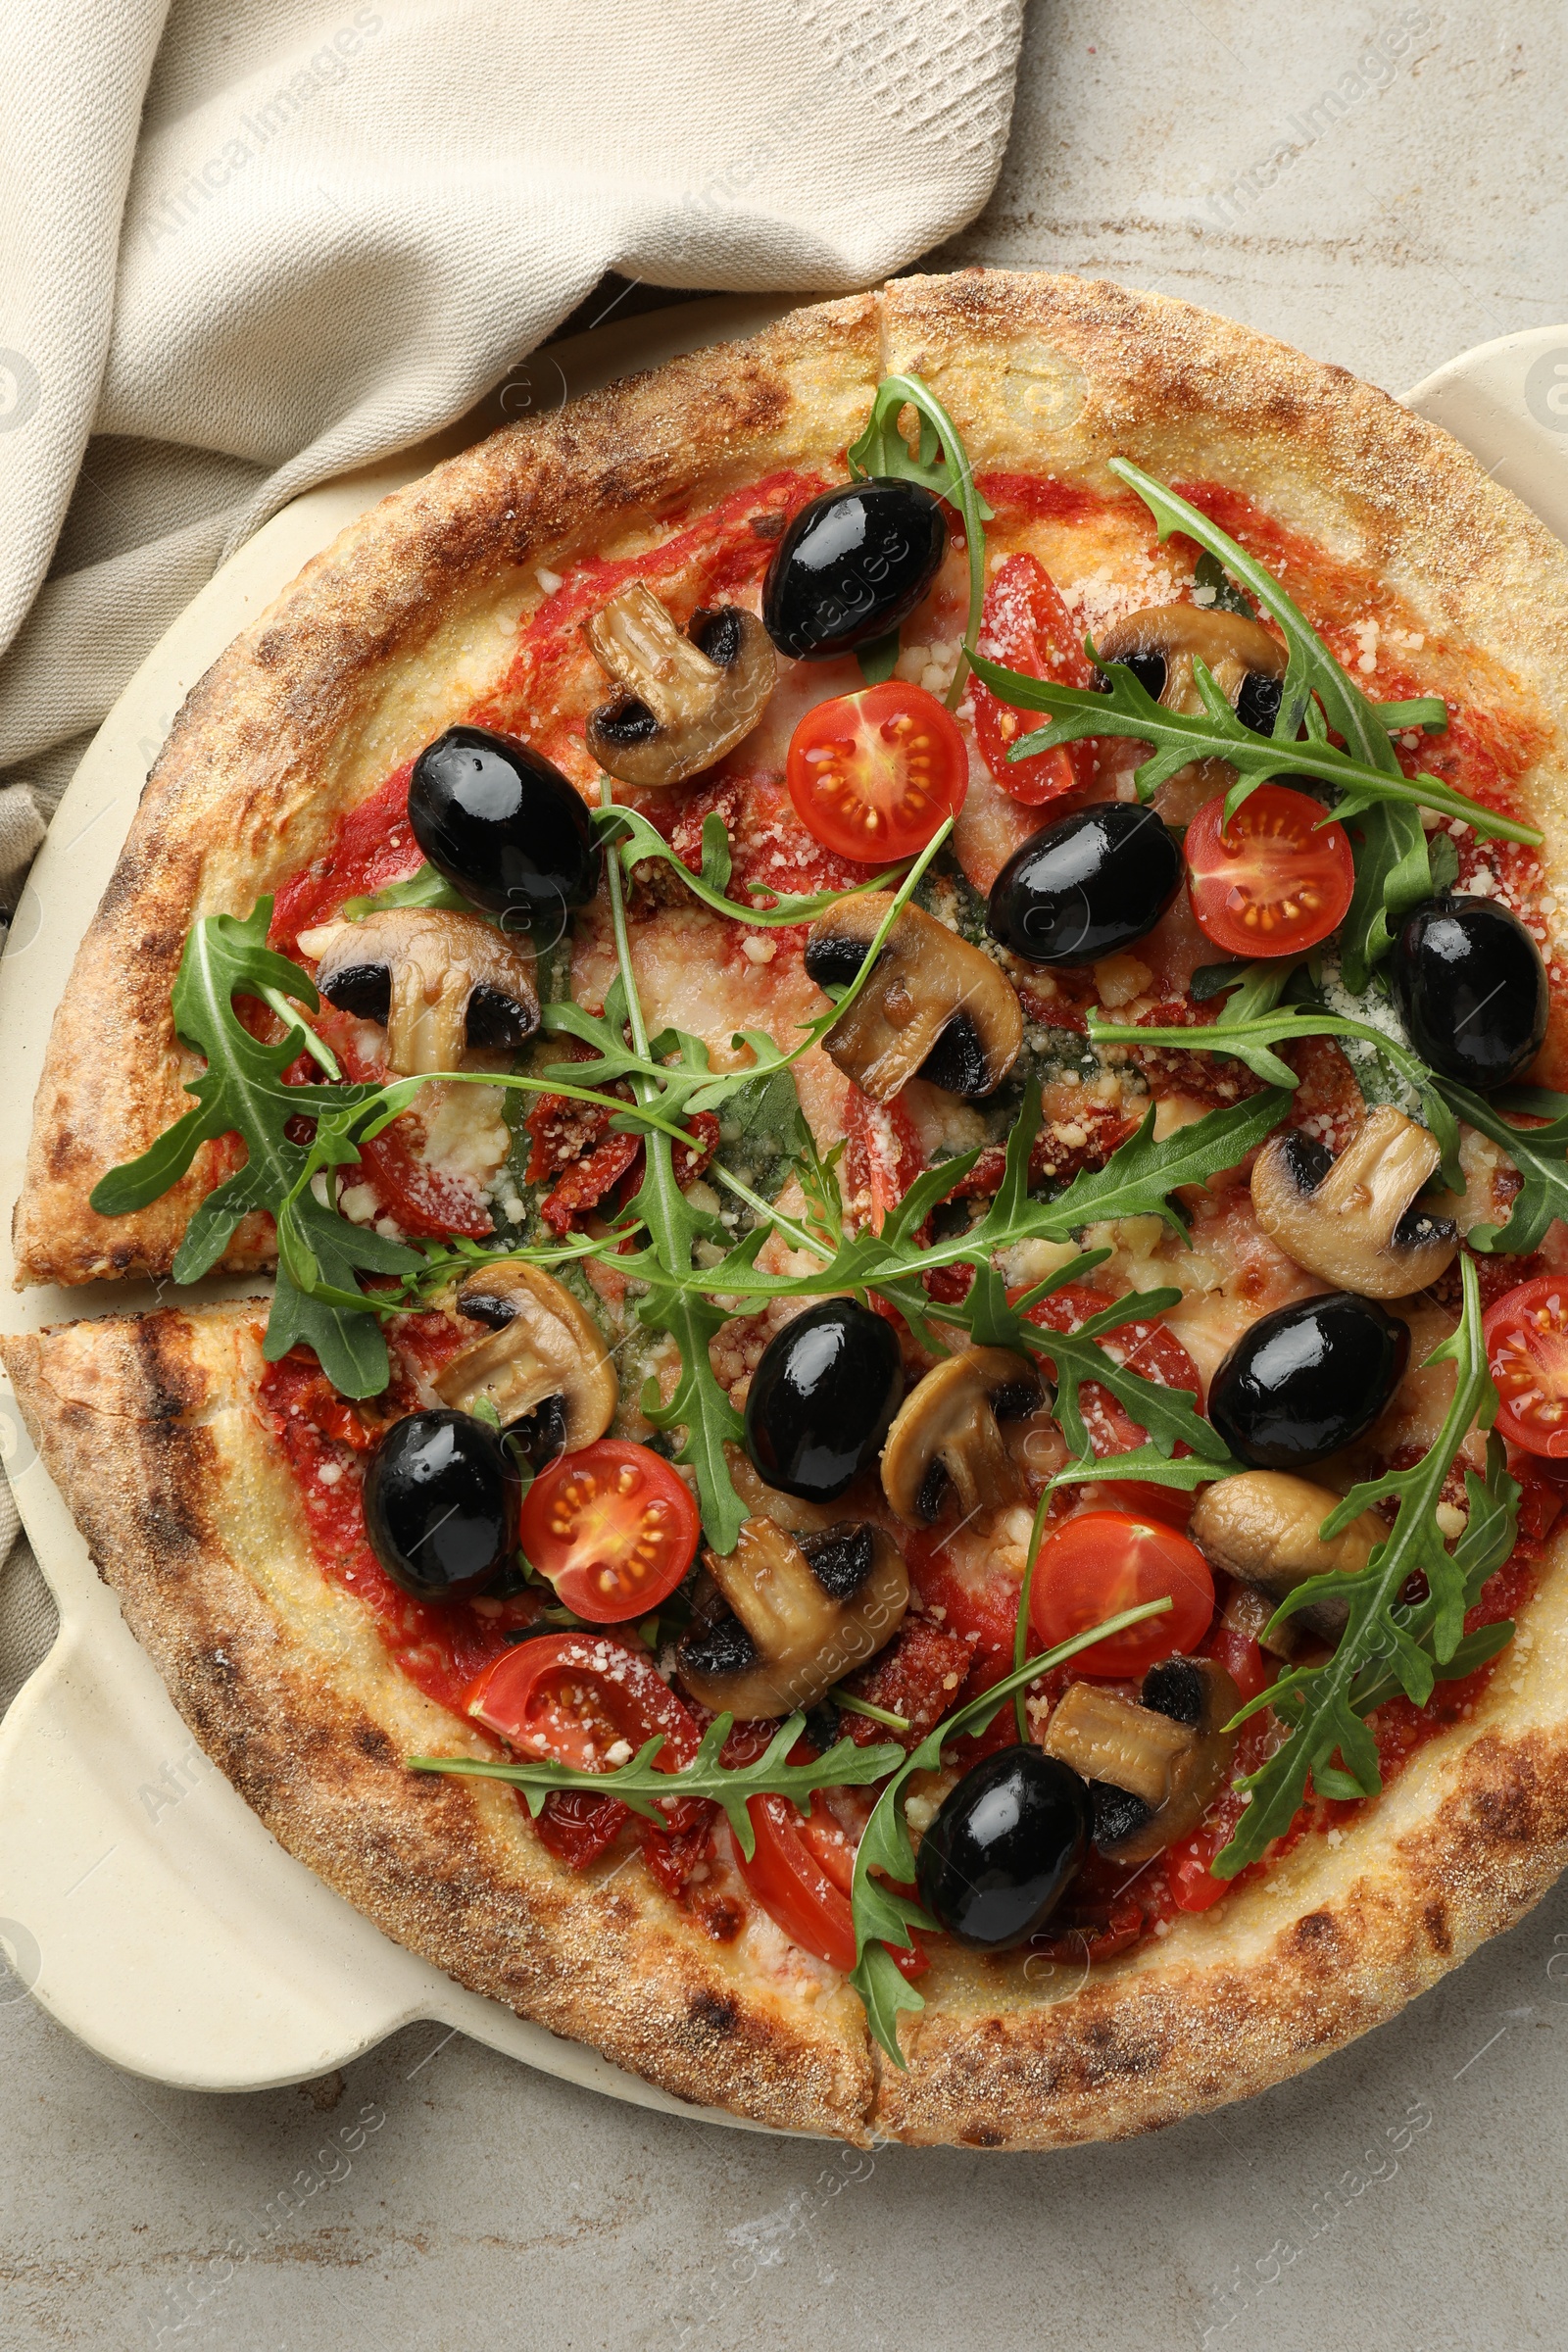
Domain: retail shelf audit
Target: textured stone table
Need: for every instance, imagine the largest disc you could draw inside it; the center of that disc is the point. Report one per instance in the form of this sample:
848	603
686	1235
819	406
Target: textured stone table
1385	187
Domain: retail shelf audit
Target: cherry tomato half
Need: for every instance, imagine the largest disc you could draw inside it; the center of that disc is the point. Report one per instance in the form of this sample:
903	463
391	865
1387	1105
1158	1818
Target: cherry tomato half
613	1528
1104	1561
800	1873
1145	1347
874	776
573	1695
1526	1336
1026	626
1277	879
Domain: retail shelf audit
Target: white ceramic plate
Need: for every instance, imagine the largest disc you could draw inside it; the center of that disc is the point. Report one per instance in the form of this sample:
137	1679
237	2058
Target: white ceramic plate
140	1898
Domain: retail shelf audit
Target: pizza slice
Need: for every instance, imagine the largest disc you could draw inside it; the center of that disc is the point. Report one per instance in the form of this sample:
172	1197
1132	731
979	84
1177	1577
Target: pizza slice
872	996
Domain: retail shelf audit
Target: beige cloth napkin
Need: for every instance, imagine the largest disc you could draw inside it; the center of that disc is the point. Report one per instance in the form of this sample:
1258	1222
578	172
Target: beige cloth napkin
246	244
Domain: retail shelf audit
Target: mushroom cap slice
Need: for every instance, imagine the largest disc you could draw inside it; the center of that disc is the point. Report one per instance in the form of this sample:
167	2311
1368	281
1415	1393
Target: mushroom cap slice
1231	646
439	980
686	696
1170	1748
801	1612
934	1007
1261	1527
540	1344
949	1421
1353	1220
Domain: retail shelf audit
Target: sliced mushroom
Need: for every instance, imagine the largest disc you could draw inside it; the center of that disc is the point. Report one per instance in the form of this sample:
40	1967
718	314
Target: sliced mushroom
947	1428
542	1356
1153	1768
439	981
1105	1737
790	1615
1353	1220
685	696
1246	664
1247	1611
1262	1528
934	1007
1232	647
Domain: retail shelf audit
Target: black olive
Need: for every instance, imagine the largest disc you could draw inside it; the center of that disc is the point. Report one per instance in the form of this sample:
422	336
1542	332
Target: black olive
1087	885
851	567
1469	980
1000	1854
1308	1380
1258	704
503	825
822	1399
441	1506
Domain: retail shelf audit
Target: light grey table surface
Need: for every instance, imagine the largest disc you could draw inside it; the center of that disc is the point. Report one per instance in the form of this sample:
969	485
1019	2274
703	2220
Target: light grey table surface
1384	186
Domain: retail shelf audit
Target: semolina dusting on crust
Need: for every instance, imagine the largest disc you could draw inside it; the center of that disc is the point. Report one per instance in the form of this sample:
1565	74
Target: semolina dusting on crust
148	1424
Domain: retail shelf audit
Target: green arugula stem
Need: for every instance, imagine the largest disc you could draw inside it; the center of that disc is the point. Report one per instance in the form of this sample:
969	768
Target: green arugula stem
291	1016
1020	1630
643	840
939	462
863	1706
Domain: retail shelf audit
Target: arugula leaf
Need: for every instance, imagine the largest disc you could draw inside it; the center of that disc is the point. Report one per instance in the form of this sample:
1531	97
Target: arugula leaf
1136	1180
1540	1154
645	1789
939	463
1391	872
1250	1037
1221	595
241	1092
1126	708
1387	1643
426	888
885	1919
638	840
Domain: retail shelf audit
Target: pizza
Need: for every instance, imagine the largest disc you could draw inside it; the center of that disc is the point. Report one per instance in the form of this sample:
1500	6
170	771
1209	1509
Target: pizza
879	1017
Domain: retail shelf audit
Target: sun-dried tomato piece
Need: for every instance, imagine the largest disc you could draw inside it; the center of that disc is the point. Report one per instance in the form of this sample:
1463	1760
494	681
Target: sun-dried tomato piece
576	1827
918	1676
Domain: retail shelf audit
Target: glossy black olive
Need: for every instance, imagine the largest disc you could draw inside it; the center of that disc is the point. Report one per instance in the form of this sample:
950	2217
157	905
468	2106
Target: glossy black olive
1087	885
851	567
441	1506
503	825
1469	980
1308	1380
822	1399
1001	1851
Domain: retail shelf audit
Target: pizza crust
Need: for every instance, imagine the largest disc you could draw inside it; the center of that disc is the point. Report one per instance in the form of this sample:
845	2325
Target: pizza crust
145	1424
398	628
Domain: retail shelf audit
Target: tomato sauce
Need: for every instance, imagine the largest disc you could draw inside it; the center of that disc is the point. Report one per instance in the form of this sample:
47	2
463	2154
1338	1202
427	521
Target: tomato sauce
548	689
324	1441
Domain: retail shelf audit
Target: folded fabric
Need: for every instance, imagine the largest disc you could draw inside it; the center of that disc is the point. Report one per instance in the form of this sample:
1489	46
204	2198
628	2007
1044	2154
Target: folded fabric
257	245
